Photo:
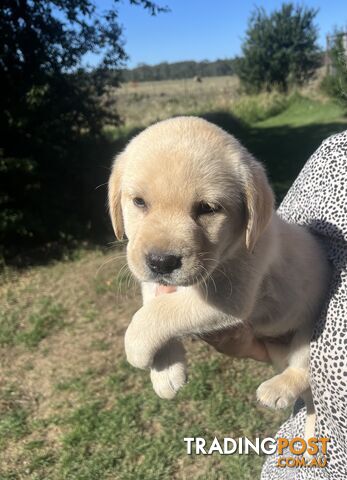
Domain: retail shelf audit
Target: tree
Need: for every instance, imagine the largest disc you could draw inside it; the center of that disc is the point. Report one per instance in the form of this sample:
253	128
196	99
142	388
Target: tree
335	83
49	106
280	49
177	70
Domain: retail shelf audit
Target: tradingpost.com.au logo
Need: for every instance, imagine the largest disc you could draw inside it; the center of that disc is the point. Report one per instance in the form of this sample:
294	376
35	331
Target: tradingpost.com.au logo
292	453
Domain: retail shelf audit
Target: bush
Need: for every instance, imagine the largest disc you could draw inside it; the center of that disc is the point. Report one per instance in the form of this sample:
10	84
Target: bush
254	108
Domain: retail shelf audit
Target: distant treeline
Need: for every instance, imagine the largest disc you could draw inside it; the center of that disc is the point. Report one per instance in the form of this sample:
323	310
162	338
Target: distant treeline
177	70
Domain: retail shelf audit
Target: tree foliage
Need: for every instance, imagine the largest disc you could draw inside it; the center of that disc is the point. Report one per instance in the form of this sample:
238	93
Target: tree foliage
50	110
178	70
280	49
335	83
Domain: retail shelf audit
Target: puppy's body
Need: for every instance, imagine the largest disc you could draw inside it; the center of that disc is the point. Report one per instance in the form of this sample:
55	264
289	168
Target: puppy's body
198	212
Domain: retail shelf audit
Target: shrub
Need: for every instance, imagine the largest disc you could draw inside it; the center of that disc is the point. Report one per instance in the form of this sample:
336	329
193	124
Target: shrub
254	108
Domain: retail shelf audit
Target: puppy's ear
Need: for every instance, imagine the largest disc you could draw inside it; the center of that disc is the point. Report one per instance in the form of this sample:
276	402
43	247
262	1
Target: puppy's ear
114	196
259	202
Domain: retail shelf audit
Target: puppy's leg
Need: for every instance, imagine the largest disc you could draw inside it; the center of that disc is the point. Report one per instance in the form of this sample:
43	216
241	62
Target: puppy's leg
168	317
282	389
293	382
169	369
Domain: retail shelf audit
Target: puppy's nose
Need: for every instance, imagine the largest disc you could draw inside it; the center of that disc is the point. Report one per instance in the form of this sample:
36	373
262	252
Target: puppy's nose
162	262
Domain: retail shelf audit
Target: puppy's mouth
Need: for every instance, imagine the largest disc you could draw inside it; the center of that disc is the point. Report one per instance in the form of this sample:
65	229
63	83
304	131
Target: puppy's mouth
173	280
161	289
164	282
168	281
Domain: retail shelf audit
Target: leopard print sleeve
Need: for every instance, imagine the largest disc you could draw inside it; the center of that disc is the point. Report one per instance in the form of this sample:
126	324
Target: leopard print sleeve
318	199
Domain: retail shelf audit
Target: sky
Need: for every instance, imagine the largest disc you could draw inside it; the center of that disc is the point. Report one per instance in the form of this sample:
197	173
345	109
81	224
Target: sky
203	29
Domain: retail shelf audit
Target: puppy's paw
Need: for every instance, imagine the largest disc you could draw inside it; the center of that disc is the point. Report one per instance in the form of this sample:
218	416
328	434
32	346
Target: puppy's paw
138	351
169	370
276	393
138	358
281	390
167	382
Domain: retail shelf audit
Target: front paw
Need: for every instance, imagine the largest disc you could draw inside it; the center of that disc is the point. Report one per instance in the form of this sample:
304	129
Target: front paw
167	382
142	339
169	370
137	350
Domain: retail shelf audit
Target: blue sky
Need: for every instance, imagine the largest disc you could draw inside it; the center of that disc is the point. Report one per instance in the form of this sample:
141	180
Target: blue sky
203	29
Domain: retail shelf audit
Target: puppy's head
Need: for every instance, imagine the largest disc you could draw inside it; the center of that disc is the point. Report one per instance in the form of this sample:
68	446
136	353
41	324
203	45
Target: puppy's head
186	194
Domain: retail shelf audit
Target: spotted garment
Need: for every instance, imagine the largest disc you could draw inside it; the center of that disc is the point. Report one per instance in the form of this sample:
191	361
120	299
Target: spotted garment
318	199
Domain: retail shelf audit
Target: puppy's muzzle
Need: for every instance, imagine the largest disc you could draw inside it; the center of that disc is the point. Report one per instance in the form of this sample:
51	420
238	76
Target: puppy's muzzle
163	263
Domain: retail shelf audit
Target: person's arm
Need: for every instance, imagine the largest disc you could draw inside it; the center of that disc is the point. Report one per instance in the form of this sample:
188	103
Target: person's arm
238	341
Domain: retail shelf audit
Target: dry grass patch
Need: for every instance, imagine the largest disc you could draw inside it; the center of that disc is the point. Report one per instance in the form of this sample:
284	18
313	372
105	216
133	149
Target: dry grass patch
142	103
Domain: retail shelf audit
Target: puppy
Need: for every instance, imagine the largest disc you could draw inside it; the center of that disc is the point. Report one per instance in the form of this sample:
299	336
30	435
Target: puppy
199	215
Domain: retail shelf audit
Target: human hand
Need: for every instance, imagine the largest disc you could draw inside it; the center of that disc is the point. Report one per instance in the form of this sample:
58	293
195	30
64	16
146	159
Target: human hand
238	341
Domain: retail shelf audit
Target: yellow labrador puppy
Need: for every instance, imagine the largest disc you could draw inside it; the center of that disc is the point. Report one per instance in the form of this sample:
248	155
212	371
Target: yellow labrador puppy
199	214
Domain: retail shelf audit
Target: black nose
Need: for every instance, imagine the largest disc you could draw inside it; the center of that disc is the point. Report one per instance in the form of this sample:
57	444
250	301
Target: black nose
162	262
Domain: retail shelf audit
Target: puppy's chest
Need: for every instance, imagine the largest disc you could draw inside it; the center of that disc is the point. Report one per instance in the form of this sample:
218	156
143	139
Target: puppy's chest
271	316
226	297
265	311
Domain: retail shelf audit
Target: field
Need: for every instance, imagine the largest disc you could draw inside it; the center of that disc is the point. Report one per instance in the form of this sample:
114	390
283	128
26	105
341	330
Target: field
140	104
70	406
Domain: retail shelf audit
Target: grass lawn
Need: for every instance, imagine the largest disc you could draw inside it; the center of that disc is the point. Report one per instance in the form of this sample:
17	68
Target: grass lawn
72	408
70	405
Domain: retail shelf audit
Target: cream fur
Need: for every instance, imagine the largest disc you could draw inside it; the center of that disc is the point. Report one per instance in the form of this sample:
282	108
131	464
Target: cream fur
241	263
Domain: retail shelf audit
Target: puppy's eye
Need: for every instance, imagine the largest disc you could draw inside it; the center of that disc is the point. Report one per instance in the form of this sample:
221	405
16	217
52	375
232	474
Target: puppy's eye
205	208
139	202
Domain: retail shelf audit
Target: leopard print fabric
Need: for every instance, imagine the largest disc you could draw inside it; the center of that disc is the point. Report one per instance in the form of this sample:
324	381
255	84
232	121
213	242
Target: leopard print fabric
318	199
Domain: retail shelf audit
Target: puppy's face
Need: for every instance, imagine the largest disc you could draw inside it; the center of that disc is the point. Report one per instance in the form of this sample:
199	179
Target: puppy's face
180	194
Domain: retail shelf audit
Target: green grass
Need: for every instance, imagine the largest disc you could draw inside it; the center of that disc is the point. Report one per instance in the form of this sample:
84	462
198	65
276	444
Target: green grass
15	410
79	411
46	318
129	433
13	424
256	108
121	429
301	111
